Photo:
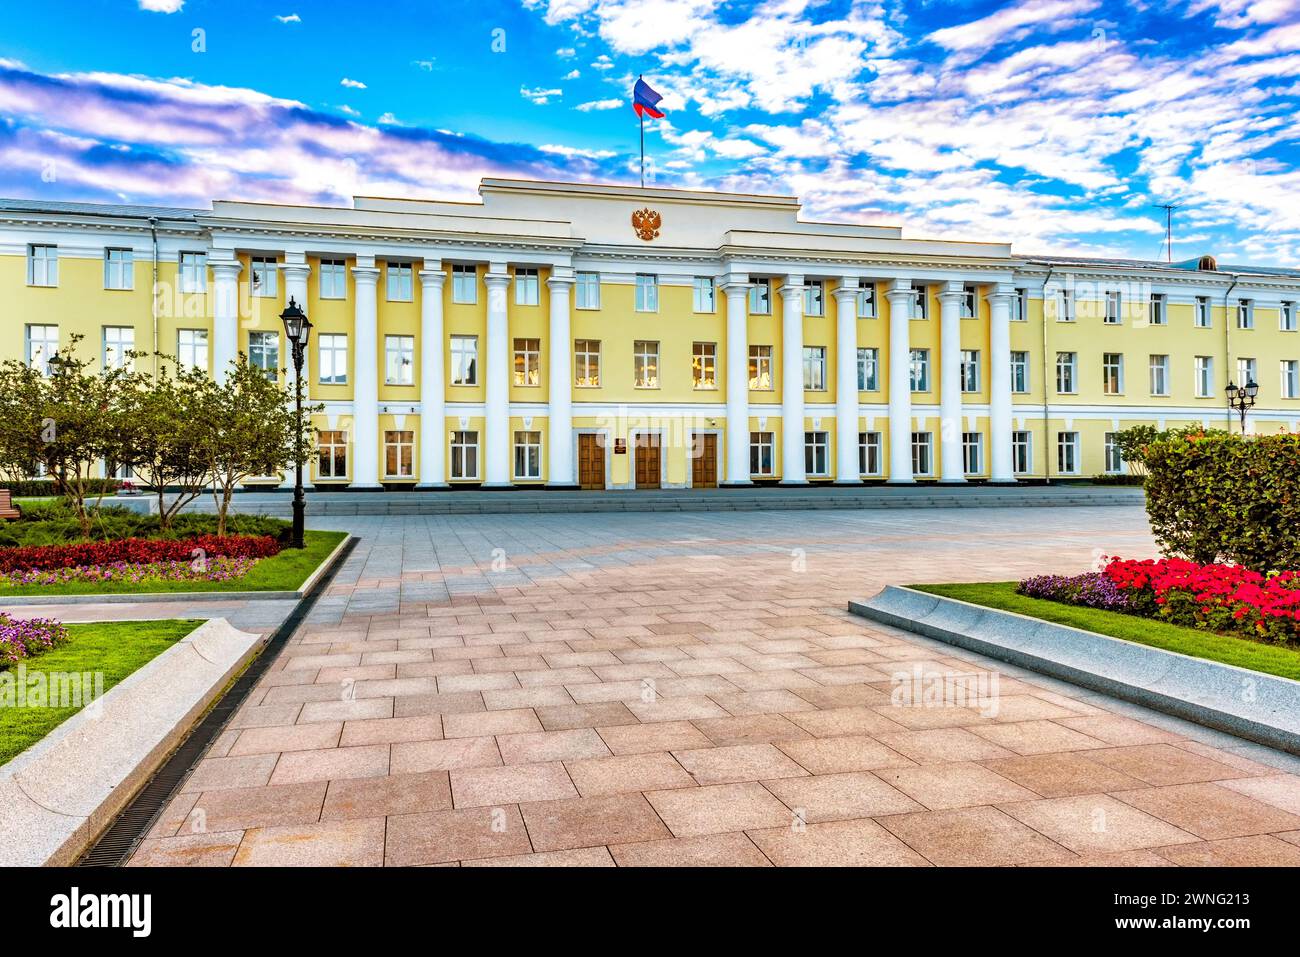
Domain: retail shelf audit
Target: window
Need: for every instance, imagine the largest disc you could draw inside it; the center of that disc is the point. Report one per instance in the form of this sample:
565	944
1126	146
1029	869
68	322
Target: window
118	341
528	287
1065	306
398	281
464	455
264	276
645	364
816	456
588	290
192	348
921	303
1113	305
1112	373
968	301
42	346
1156	310
332	352
1020	306
869	458
814	368
586	363
704	365
464	360
1022	452
119	269
1159	367
760	368
705	296
264	353
867	301
814	298
970	370
1066	372
194	272
1113	461
333	460
920	370
528	362
761	457
333	279
1290	379
1019	371
464	286
42	265
1067	453
1246	314
868	370
1204	377
922	453
1202	318
972	452
399	454
647	292
399	360
528	455
1247	372
1287	317
760	298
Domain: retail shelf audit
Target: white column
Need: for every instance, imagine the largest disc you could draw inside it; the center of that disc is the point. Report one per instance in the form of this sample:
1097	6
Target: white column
225	314
901	297
560	470
793	471
846	382
296	272
1000	299
496	456
365	377
736	288
950	457
433	381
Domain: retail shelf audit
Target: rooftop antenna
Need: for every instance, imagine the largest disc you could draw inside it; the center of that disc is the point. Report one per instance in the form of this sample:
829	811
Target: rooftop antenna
1169	227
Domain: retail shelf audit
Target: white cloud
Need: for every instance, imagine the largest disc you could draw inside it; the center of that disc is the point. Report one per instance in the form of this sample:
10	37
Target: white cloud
352	84
1013	21
426	65
539	95
602	62
572	75
590	105
161	6
574	151
289	18
344	108
566	53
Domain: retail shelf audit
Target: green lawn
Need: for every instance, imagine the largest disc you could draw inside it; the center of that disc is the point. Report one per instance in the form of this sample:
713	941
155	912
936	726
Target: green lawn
284	572
1270	659
115	648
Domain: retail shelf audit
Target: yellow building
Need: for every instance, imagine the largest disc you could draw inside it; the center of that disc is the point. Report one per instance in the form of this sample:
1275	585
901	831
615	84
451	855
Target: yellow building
610	337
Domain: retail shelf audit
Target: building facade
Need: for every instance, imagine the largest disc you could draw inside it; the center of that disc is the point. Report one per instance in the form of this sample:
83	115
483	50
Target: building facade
609	337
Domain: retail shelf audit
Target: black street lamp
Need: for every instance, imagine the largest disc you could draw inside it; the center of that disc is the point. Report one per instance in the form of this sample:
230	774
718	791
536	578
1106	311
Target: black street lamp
297	329
1242	399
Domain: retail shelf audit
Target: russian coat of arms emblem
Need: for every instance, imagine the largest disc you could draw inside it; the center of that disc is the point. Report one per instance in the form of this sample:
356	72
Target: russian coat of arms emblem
646	222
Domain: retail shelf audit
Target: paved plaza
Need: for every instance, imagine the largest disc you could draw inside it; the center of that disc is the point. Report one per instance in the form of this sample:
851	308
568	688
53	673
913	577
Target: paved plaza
669	689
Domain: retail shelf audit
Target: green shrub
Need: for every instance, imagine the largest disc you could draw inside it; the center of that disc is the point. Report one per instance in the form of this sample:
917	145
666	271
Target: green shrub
1215	497
53	523
43	488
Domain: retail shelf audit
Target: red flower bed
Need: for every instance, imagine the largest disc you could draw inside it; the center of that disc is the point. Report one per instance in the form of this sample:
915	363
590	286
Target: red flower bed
136	550
1224	598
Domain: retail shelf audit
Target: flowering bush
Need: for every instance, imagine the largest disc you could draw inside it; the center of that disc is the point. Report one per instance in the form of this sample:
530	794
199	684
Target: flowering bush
136	551
215	570
21	639
1092	590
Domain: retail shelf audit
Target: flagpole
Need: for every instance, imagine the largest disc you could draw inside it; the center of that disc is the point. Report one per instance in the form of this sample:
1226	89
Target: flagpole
641	116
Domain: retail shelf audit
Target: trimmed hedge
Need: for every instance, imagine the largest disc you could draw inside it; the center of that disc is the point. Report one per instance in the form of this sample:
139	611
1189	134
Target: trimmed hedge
136	550
1214	497
42	488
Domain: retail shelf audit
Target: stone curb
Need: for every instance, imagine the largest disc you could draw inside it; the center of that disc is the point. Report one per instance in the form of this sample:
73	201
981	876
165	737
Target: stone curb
59	794
1252	705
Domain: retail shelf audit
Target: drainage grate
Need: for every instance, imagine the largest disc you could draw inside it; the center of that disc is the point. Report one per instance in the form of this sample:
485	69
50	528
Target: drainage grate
120	839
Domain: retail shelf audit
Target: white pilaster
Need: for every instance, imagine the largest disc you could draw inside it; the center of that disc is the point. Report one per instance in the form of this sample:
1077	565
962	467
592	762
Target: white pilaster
1000	299
793	471
736	288
225	313
950	421
496	457
365	376
296	272
433	381
560	469
846	382
901	296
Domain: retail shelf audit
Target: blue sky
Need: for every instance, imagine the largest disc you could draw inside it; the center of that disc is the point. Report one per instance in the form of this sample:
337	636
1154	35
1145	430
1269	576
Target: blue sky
1053	124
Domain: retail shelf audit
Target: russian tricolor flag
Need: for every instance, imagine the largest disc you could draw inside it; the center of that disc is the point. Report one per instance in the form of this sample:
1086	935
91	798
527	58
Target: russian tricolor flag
645	100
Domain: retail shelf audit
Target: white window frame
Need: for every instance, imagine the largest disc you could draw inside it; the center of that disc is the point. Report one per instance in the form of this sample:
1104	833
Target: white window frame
332	358
399	355
1067	453
1022	452
1245	314
529	349
1067	366
258	357
195	353
586	357
814	298
817	453
327	452
921	303
1112	461
760	359
332	279
760	297
1112	362
1157	309
870	449
121	340
922	453
762	453
919	370
868	369
464	360
1064	306
972	453
192	271
1286	317
528	286
865	301
405	469
1021	311
399	280
1020	378
262	272
1290	381
586	293
1247	371
1158	374
1202	318
814	368
647	292
119	269
464	285
968	306
40	348
704	366
643	358
1114	311
1203	367
970	370
529	443
464	448
43	265
704	295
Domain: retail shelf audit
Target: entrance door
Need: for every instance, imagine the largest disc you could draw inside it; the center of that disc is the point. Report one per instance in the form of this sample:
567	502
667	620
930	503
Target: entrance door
647	460
704	460
591	460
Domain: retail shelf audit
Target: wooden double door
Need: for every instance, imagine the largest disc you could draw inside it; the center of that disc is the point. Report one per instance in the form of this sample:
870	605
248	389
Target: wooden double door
704	460
591	460
647	464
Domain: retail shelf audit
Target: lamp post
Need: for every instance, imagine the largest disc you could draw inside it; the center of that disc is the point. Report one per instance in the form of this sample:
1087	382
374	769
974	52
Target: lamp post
1242	399
297	329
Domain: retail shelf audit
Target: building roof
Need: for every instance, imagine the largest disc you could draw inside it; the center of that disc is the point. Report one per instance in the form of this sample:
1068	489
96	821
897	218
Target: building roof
128	211
1192	265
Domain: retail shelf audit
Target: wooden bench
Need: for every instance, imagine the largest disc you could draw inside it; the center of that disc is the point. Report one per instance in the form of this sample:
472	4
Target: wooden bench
8	510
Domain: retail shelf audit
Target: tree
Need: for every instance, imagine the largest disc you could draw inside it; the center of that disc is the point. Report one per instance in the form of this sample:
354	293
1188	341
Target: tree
1131	442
